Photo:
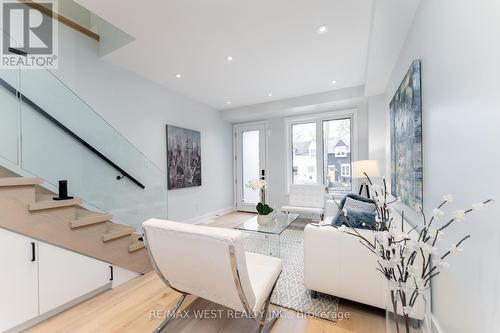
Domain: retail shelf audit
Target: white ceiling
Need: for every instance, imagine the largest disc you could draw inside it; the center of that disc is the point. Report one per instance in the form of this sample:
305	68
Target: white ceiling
273	42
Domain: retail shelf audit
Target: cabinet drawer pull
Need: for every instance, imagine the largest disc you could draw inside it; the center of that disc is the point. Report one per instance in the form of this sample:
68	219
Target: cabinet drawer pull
33	251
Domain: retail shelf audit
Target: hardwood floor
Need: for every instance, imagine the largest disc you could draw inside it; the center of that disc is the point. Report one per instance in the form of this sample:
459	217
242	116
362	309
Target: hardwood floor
133	306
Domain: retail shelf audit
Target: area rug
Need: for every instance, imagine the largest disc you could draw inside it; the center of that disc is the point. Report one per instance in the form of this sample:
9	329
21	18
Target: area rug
290	291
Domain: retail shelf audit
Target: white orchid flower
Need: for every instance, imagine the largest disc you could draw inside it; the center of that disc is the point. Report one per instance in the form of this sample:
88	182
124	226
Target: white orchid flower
436	233
437	213
477	206
443	264
342	228
448	198
412	270
456	249
459	215
257	184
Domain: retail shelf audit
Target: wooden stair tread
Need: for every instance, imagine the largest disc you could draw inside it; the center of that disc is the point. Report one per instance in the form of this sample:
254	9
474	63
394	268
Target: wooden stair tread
90	220
20	181
135	246
117	231
51	204
47	227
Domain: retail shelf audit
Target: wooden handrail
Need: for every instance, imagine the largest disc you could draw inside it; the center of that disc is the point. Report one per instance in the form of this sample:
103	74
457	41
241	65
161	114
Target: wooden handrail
64	20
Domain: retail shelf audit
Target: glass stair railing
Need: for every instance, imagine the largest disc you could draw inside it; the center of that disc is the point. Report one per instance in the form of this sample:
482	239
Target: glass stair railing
49	132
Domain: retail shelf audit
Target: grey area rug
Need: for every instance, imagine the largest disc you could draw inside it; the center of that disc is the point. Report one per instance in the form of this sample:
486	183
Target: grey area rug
290	291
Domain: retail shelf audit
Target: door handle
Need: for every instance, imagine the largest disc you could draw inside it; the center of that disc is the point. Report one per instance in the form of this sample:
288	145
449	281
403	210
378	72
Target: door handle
262	174
33	252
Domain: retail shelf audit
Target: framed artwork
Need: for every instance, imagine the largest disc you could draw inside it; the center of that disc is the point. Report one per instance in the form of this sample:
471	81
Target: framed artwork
406	139
183	157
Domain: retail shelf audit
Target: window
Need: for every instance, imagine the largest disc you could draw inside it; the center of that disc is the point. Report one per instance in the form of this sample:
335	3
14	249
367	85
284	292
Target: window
337	148
321	151
341	151
304	154
345	170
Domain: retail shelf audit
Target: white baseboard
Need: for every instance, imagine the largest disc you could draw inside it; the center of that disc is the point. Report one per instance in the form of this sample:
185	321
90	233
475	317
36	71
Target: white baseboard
435	325
205	218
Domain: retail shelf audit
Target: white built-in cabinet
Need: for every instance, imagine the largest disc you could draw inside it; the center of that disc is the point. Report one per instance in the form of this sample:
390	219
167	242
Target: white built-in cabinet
18	279
65	275
36	278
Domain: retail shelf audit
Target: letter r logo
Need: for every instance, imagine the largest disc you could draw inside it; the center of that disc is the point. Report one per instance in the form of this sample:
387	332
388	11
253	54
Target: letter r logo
27	28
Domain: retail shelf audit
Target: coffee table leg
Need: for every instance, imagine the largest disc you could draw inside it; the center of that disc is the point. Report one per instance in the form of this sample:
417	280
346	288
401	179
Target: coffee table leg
274	243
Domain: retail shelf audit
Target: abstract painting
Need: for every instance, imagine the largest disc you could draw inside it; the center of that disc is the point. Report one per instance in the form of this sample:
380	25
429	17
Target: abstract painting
183	157
406	140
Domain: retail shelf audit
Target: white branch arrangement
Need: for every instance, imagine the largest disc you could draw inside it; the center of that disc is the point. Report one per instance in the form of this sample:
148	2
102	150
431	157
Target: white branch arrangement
409	263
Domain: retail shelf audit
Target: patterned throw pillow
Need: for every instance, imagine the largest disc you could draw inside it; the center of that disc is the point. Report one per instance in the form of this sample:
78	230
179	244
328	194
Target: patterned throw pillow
360	212
359	206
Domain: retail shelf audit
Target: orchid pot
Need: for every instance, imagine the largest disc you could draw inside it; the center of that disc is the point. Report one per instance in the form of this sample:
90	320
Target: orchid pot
264	219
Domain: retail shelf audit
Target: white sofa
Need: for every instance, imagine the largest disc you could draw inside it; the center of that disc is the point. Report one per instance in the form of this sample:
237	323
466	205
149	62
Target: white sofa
336	263
306	200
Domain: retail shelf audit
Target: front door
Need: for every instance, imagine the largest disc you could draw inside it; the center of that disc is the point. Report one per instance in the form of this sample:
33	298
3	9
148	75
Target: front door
250	163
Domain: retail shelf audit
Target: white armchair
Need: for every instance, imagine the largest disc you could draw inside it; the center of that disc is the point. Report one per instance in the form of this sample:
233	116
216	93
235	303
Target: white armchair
211	263
306	200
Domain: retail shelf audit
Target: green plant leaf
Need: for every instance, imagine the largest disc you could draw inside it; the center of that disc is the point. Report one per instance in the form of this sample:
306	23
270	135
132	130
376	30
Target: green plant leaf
260	208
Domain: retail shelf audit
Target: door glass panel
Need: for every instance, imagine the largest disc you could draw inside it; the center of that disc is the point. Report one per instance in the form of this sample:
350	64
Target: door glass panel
304	165
250	164
337	157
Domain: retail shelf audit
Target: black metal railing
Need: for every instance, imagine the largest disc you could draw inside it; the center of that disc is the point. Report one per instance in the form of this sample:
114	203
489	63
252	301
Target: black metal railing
46	115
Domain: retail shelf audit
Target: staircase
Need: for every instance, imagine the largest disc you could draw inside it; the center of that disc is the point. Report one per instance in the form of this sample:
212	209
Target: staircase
28	209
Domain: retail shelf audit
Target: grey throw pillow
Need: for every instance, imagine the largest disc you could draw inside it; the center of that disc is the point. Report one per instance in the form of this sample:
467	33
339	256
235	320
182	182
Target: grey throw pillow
360	212
359	206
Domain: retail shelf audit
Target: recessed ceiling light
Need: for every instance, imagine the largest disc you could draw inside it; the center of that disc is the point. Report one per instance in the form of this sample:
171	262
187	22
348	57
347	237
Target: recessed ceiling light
269	94
333	82
229	58
322	29
228	102
178	76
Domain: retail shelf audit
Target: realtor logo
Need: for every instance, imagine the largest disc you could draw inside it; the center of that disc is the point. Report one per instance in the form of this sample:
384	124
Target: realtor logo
29	37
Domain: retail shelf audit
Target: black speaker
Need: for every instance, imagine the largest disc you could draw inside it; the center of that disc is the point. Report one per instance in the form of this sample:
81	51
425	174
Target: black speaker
63	191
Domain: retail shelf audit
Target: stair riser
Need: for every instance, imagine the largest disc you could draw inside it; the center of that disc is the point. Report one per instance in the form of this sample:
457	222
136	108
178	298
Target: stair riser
57	214
24	194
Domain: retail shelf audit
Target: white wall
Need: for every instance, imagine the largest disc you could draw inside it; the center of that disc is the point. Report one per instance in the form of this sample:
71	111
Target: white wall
458	42
139	109
377	125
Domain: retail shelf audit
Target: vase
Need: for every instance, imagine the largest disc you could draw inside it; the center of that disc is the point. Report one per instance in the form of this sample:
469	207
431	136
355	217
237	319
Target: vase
404	318
264	219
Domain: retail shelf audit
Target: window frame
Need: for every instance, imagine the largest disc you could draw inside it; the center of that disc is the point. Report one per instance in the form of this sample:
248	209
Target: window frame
318	119
347	167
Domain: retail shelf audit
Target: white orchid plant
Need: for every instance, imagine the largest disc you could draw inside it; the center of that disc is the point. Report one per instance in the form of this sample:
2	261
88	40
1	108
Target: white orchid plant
409	259
260	185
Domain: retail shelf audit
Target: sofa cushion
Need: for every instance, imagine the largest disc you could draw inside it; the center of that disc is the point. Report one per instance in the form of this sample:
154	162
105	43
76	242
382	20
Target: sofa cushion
360	212
353	204
302	210
355	219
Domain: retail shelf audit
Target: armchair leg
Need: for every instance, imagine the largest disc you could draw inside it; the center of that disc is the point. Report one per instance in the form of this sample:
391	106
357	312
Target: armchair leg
264	320
170	314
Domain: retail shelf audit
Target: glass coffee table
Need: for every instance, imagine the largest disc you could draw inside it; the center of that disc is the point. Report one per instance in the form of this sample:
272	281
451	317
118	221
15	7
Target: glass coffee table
269	235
